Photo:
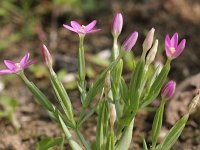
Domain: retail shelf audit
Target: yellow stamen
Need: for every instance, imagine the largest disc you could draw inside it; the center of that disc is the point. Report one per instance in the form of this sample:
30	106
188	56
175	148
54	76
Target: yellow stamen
18	65
172	49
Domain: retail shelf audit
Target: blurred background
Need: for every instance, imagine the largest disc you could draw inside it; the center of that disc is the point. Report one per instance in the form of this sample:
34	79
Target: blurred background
27	24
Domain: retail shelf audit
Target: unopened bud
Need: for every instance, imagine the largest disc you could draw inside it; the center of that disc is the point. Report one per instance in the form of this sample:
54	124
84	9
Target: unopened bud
194	102
148	40
47	56
130	41
168	90
117	24
152	53
158	67
112	115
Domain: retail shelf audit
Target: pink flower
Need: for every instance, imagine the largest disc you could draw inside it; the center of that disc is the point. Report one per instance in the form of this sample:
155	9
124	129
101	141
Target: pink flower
130	41
168	90
16	67
172	47
81	29
117	24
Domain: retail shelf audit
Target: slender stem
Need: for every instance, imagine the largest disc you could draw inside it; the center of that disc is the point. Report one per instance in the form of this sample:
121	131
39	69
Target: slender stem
143	54
82	69
82	139
63	142
112	134
85	117
115	49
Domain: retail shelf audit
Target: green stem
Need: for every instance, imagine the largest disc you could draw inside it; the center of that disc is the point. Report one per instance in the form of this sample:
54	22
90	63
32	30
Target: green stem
84	117
143	55
115	49
82	69
82	139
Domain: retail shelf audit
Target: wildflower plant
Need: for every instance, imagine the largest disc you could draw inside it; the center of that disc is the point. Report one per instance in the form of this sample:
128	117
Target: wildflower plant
117	101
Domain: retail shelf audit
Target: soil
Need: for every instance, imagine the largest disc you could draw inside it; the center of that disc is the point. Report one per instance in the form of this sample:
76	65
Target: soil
31	122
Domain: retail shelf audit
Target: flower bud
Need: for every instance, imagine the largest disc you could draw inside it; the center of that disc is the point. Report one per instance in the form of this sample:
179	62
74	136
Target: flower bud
168	90
148	40
47	56
194	102
158	67
152	53
112	115
130	41
117	24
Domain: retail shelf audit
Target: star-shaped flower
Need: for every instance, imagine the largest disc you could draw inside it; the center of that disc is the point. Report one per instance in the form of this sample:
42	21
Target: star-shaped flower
172	48
81	29
14	68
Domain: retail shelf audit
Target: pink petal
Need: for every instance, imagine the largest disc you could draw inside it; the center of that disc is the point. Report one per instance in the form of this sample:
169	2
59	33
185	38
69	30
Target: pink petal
29	63
180	48
93	31
174	40
24	60
168	52
167	41
69	28
6	71
117	24
130	41
90	25
75	25
10	64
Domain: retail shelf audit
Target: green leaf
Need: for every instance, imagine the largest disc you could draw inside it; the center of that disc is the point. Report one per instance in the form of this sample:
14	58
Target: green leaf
125	140
74	145
62	96
111	142
136	81
173	135
102	126
156	87
134	94
42	99
157	123
116	74
144	144
98	84
124	91
49	142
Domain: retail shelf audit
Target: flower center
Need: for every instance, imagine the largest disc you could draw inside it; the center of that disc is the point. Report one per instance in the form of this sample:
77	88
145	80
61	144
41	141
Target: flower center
82	29
18	67
172	49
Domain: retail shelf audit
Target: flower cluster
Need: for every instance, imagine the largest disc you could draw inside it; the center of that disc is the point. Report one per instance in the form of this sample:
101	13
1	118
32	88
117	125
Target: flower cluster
119	102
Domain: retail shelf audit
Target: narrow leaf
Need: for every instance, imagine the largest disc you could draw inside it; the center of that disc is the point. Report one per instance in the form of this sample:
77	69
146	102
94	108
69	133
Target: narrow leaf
98	84
144	144
49	142
157	124
173	134
156	87
125	140
74	145
62	96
